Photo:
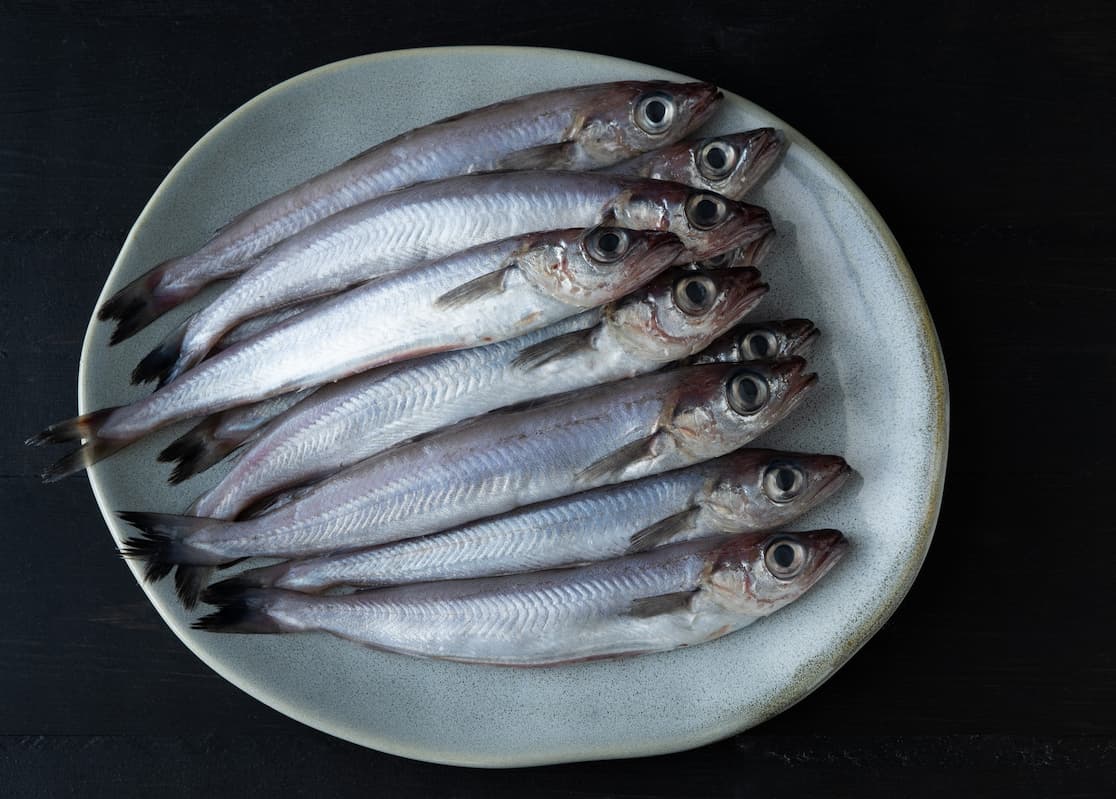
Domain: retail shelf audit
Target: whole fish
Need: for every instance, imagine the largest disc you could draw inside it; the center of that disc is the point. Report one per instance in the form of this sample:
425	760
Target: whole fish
489	293
762	341
731	164
746	491
672	317
679	595
582	127
432	220
751	155
608	434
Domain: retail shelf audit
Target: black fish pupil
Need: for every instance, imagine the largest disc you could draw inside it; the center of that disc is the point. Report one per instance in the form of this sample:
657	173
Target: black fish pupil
696	293
716	158
783	555
706	210
656	111
759	346
609	243
748	391
784	479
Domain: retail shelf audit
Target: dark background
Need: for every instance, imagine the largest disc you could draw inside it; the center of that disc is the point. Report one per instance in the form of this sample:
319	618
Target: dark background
983	134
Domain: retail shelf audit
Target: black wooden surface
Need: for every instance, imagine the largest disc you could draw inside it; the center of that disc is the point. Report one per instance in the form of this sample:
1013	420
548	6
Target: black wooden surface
983	133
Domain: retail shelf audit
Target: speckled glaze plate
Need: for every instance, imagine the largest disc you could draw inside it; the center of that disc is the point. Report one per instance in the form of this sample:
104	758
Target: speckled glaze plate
882	403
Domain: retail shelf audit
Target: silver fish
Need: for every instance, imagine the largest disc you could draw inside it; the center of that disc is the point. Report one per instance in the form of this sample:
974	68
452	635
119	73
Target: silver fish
747	491
731	164
679	595
582	127
608	434
762	341
672	317
433	220
489	293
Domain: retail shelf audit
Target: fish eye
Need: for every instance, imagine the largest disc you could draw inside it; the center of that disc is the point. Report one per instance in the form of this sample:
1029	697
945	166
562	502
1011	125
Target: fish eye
607	244
722	261
785	558
716	159
654	113
695	293
747	392
706	211
758	345
783	482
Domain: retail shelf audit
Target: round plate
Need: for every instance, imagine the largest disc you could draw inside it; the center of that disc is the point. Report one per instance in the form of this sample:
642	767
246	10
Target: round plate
882	403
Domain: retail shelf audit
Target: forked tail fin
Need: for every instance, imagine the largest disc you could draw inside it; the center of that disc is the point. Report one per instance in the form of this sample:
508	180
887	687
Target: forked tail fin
249	611
141	302
198	449
86	427
160	364
163	543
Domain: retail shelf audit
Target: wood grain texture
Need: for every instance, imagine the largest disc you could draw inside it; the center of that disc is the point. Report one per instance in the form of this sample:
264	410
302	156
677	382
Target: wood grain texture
982	134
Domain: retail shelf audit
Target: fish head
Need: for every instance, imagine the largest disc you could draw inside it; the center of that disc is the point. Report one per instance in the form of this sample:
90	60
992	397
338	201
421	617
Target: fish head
634	117
593	266
724	406
707	223
682	310
729	165
763	341
769	488
756	576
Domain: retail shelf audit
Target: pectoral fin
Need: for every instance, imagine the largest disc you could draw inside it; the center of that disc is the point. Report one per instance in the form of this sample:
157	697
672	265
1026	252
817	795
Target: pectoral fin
475	289
612	467
662	531
648	606
545	156
553	349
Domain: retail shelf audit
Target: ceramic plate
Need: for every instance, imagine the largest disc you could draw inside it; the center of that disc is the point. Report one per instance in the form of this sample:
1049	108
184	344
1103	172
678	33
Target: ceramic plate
881	403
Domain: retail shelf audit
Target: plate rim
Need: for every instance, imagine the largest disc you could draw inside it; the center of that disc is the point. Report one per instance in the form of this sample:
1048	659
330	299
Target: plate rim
795	692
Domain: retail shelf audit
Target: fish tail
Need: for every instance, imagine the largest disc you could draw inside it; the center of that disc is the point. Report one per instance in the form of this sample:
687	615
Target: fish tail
189	582
197	450
163	543
248	611
264	577
85	427
164	362
142	301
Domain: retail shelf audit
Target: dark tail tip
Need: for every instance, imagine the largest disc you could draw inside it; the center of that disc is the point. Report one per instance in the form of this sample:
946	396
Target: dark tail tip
138	304
161	546
162	363
80	427
196	450
189	582
246	612
154	550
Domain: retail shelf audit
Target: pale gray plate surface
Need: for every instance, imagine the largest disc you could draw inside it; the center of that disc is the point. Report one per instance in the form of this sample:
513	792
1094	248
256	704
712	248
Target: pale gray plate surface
882	403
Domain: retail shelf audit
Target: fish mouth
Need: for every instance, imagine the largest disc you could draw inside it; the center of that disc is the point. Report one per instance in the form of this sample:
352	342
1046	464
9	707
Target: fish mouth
744	302
799	382
803	335
764	146
835	472
753	253
705	99
828	546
